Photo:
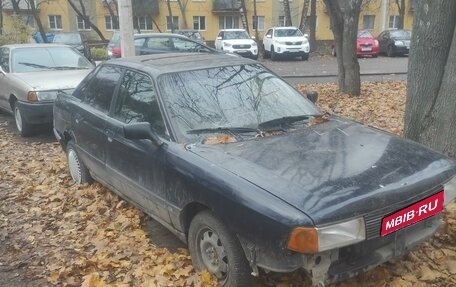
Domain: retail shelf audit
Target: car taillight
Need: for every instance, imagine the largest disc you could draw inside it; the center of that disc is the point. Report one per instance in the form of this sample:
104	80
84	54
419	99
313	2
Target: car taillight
116	51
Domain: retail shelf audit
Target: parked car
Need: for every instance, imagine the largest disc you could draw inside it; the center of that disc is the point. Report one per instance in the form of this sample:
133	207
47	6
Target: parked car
74	40
247	171
285	41
154	43
31	76
192	34
237	41
366	45
395	42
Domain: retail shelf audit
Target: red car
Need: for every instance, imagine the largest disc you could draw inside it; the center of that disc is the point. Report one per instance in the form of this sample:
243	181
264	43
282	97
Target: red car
366	45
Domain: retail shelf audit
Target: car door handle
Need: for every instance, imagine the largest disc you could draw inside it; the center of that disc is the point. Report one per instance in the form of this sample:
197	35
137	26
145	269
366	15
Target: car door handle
109	134
77	118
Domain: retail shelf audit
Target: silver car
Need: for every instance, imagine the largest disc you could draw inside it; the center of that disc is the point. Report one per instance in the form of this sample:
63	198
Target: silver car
31	76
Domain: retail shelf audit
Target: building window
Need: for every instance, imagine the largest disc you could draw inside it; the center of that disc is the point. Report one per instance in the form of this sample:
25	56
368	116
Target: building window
281	21
112	23
368	22
259	23
143	23
228	22
199	23
174	24
82	24
393	22
55	22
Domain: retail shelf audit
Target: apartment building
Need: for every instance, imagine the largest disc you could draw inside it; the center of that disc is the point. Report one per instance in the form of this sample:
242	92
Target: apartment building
208	16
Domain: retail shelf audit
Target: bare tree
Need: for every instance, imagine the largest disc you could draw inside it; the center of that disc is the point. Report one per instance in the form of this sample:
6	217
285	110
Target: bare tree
36	16
114	15
430	116
170	15
401	9
313	24
1	17
243	10
344	17
183	7
82	13
304	17
255	26
287	11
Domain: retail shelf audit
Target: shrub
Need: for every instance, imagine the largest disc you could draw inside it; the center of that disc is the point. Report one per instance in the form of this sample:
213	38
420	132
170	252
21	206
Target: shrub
19	33
98	54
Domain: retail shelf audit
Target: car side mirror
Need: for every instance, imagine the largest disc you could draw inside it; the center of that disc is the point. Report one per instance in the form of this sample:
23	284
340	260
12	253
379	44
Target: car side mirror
306	35
312	96
252	37
219	38
268	36
141	131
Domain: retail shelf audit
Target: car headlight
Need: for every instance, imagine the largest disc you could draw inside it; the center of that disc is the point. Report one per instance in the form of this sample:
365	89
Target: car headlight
317	239
398	43
226	44
34	96
450	191
375	42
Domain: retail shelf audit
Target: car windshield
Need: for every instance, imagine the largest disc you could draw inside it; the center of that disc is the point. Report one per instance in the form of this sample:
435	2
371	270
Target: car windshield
403	34
69	39
230	35
47	58
228	97
364	34
287	33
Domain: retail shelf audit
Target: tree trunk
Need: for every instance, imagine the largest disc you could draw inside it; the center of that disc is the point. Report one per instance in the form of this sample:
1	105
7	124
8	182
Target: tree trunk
36	16
313	25
170	14
182	8
16	9
401	10
245	22
1	17
257	36
430	116
286	10
87	19
344	17
305	10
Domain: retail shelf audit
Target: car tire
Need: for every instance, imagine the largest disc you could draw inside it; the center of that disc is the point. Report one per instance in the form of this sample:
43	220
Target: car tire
305	57
390	51
215	249
273	54
23	127
76	168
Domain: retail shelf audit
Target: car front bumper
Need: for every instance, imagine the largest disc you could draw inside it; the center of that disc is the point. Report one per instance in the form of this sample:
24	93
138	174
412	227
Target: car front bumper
36	113
292	49
401	49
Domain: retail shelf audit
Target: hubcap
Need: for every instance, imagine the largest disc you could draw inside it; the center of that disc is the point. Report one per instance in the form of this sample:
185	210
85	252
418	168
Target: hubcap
74	166
18	118
213	254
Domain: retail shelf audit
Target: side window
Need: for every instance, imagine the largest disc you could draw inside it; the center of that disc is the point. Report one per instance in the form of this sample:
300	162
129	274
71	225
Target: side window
101	89
139	42
81	89
269	32
187	46
159	44
4	59
220	35
137	102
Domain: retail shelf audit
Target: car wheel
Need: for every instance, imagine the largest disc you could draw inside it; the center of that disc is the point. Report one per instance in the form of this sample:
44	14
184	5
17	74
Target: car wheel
24	128
333	52
390	51
273	54
305	57
215	249
78	171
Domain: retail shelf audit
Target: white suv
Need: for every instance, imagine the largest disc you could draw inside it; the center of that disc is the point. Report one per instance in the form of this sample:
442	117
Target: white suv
237	41
286	41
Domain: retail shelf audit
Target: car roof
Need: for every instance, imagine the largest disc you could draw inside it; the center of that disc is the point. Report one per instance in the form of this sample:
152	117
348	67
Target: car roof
228	30
156	64
34	45
283	28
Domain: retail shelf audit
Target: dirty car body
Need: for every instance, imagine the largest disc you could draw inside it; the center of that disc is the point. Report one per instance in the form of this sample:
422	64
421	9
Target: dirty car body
295	188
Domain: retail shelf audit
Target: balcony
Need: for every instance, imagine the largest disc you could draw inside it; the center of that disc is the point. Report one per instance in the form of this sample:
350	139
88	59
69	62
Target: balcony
226	6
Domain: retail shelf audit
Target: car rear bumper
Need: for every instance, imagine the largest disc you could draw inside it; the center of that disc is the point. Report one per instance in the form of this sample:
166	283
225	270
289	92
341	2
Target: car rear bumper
37	113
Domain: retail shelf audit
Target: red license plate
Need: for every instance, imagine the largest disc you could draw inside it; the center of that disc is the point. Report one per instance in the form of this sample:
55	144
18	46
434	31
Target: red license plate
414	213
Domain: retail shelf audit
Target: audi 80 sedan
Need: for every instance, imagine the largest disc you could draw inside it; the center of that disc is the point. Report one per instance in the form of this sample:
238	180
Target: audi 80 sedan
249	172
31	76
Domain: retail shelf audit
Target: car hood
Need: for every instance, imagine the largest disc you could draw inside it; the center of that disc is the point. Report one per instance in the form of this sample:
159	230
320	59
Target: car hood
291	39
52	80
239	41
336	170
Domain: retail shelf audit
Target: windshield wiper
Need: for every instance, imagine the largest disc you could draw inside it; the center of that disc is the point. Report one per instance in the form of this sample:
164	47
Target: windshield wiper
35	65
283	120
222	130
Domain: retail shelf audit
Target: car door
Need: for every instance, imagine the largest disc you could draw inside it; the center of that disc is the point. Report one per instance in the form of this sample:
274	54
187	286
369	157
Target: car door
267	40
156	45
4	81
88	120
137	167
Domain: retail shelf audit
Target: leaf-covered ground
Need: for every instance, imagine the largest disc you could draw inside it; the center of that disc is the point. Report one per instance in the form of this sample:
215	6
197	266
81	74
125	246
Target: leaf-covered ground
55	233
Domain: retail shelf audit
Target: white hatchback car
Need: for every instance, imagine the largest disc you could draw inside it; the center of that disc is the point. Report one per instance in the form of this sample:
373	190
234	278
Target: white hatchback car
237	41
286	41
